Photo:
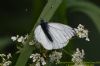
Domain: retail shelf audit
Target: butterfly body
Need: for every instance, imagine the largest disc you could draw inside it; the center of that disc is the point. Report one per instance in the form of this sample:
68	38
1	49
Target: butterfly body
45	28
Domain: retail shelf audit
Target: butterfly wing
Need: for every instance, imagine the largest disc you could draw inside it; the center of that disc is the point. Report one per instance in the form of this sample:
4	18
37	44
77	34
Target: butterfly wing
41	38
60	34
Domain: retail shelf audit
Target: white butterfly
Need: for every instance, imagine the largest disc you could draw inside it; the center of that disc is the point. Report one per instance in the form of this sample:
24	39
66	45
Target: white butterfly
53	35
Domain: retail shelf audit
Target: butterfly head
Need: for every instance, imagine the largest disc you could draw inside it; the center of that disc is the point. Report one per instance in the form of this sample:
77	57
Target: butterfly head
43	22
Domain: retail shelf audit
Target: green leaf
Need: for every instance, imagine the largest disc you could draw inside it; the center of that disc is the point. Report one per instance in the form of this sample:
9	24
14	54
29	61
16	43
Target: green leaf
60	14
88	8
37	8
4	41
46	14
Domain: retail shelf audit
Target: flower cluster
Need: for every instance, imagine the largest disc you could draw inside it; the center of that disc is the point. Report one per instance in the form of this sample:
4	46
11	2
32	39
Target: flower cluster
81	32
55	56
22	39
77	57
19	38
36	58
5	59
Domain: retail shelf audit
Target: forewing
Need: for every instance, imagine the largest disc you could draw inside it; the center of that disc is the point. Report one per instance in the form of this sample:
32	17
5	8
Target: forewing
41	38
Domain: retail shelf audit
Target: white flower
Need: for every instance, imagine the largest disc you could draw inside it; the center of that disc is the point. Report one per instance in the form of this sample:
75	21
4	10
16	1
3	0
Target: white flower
87	39
7	63
55	56
81	32
38	59
14	38
2	55
31	43
19	38
6	59
43	61
78	56
9	56
35	57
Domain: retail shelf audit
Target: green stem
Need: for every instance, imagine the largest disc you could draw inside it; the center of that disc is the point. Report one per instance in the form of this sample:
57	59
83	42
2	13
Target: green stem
84	62
46	14
66	52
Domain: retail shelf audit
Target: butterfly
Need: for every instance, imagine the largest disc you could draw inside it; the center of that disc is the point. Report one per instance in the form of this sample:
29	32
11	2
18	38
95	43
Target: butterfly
53	35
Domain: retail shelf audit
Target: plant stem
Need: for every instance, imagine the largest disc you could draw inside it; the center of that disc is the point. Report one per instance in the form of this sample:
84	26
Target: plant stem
46	14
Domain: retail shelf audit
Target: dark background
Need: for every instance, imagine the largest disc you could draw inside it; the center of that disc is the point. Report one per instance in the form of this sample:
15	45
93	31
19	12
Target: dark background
17	17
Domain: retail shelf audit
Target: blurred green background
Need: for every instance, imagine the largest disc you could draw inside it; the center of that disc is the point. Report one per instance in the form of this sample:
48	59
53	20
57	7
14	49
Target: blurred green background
19	17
